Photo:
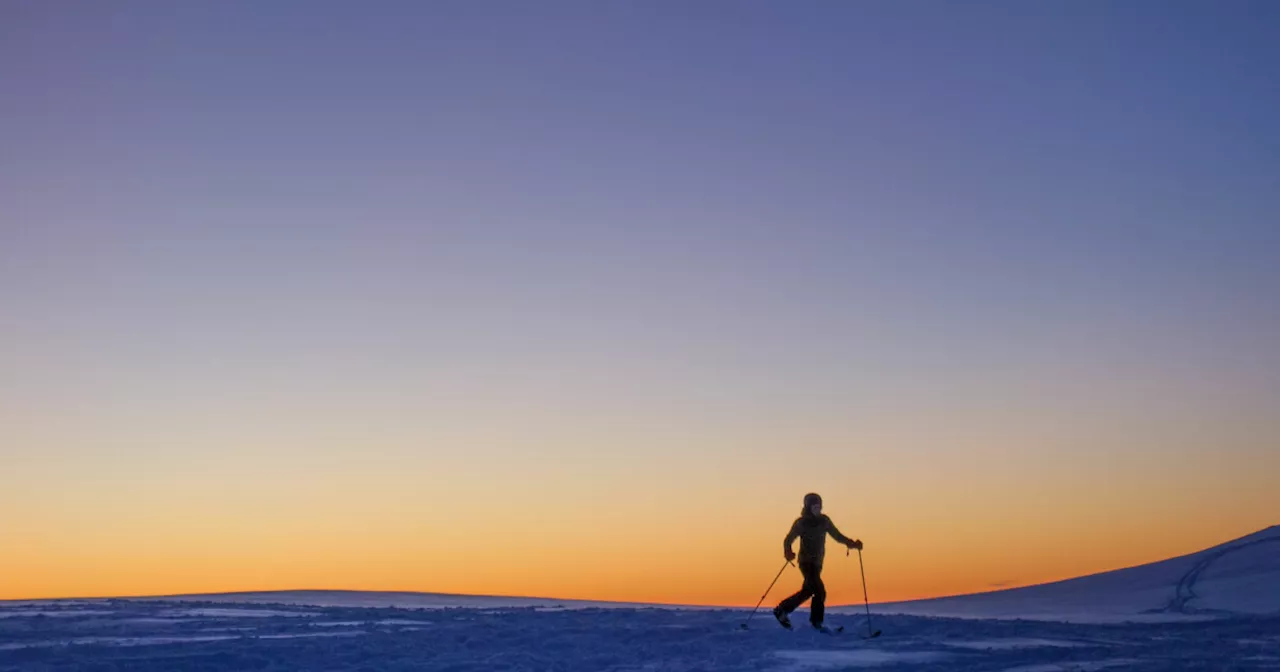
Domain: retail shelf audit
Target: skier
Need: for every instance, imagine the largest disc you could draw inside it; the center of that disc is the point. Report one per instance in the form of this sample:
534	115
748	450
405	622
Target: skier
812	527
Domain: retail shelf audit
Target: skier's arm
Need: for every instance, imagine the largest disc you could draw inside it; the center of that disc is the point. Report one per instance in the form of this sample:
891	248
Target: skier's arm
835	534
791	537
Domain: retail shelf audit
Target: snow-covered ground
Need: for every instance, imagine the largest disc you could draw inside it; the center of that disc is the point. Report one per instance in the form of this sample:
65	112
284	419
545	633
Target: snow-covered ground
1212	610
146	636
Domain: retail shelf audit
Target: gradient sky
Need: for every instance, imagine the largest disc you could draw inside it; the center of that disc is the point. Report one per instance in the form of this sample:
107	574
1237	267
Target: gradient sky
578	299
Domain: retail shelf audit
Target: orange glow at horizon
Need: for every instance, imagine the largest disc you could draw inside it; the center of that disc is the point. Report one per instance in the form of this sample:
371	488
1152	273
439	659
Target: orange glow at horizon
707	564
676	510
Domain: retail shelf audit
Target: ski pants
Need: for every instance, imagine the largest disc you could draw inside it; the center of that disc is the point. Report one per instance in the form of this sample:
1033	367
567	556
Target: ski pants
812	588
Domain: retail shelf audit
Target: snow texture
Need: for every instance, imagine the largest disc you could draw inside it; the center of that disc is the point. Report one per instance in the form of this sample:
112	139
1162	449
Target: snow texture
365	639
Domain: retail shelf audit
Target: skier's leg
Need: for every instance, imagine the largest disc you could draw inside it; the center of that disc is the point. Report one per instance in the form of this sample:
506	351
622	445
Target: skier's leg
806	591
817	609
791	603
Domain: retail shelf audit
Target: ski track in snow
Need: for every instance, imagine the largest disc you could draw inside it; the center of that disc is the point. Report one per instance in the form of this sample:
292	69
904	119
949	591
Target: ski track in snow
1185	591
144	635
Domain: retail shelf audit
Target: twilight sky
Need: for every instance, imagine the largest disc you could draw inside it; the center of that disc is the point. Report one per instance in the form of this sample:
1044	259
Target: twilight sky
579	299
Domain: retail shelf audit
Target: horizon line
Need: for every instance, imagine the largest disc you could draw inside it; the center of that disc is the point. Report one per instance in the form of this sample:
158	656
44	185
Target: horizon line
163	596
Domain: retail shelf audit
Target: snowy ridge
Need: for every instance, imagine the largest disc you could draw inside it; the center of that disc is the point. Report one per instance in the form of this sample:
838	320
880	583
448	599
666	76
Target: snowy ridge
1235	578
405	600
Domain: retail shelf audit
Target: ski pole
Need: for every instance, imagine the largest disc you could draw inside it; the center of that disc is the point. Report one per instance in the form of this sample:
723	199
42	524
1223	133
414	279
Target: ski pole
865	600
766	594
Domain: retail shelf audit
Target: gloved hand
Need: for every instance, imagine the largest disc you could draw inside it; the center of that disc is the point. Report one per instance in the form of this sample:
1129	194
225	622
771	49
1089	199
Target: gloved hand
789	554
857	543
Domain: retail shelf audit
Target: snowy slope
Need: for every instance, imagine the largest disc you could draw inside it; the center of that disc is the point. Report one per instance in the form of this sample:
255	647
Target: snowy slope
1238	577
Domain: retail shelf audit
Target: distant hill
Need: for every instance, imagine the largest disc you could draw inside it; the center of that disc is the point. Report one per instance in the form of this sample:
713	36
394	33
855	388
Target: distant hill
1238	577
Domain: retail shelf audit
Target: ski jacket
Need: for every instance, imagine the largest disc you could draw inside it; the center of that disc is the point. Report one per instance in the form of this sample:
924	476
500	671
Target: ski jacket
812	532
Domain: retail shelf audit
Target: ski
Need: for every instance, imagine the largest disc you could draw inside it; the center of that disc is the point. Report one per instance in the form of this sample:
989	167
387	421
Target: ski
840	630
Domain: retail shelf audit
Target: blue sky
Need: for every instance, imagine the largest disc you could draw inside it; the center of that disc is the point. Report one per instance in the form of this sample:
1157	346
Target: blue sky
1012	235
